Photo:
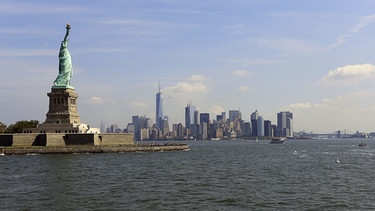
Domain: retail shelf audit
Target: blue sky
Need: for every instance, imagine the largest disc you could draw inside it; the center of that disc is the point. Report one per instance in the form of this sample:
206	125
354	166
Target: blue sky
313	58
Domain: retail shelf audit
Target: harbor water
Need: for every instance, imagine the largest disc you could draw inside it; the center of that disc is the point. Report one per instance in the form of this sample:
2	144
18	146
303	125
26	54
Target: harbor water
212	175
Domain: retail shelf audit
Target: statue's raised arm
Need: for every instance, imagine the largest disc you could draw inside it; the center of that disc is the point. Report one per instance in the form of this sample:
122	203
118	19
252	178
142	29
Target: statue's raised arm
65	64
67	33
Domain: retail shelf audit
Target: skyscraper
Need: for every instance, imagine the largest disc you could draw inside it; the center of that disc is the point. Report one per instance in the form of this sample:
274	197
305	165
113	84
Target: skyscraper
285	124
159	110
205	124
189	115
254	123
260	126
205	117
254	115
102	126
268	128
196	117
234	115
135	121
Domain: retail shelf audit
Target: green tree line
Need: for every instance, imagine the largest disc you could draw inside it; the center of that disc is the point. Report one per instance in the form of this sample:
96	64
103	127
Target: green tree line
18	126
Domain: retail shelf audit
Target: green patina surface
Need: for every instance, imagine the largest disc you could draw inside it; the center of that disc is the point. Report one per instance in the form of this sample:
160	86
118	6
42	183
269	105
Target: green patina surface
65	64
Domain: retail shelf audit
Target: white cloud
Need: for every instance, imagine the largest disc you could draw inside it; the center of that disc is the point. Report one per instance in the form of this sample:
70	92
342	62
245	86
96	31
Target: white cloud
138	105
304	106
95	100
193	84
350	101
350	74
245	88
240	72
187	87
341	39
197	78
363	22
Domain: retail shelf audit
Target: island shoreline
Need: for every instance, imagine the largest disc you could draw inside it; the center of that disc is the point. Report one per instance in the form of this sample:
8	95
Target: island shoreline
24	150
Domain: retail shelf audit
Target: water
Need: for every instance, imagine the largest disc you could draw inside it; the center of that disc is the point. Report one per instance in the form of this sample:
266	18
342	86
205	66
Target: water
213	175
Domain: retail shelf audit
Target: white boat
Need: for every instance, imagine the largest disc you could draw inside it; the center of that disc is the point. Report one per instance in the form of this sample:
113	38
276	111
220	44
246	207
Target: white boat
277	140
337	160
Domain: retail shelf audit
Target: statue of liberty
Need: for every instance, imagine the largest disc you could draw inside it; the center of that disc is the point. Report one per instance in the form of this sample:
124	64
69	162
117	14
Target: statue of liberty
65	64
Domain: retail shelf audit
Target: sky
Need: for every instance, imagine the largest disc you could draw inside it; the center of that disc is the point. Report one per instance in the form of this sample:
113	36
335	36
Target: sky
315	59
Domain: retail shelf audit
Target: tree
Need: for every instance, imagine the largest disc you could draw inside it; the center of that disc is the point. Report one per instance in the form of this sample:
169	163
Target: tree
18	126
3	127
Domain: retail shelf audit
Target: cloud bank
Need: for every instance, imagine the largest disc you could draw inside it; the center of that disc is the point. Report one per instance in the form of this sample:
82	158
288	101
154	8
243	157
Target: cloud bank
349	74
194	84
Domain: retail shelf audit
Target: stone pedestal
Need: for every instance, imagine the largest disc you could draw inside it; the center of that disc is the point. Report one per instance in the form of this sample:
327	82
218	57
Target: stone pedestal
62	116
63	107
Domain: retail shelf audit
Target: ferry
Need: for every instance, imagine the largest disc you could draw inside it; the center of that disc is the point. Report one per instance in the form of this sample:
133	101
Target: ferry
277	140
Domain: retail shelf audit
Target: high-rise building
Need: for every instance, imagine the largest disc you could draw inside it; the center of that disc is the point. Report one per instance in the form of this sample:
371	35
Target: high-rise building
144	122
205	117
137	130
219	118
254	123
159	109
268	128
189	115
115	128
130	128
234	115
196	117
224	117
180	131
102	126
254	127
254	115
247	129
203	131
205	124
285	124
165	126
260	126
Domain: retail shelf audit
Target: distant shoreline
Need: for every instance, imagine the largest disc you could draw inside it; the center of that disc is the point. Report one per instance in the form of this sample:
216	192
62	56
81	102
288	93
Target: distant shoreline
11	150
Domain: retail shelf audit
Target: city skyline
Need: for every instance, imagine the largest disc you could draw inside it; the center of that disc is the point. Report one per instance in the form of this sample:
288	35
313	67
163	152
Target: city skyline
313	58
202	126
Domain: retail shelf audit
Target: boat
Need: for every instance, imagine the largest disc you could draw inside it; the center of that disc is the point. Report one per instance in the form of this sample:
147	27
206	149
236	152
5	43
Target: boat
337	160
362	145
277	140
